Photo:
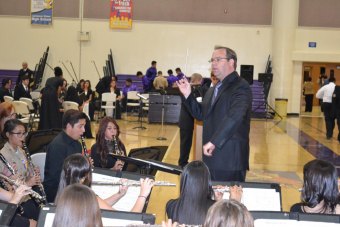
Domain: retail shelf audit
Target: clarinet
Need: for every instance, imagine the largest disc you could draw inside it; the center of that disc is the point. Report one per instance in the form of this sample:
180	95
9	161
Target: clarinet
42	201
33	193
10	168
86	153
117	150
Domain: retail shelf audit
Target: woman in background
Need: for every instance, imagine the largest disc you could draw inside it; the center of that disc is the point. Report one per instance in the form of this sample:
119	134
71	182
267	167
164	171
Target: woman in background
320	192
77	206
114	90
108	142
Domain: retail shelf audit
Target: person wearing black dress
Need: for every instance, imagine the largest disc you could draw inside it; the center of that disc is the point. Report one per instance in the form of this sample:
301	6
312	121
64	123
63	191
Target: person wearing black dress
108	142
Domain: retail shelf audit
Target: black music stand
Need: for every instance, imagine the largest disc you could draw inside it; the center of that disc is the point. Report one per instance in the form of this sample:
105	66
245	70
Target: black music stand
147	166
8	211
163	93
140	117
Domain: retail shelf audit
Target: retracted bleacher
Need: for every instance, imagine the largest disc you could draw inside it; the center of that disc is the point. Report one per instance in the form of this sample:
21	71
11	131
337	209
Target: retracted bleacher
278	219
258	196
109	218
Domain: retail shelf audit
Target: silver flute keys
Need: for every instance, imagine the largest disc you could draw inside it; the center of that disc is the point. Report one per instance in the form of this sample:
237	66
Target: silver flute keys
33	193
130	183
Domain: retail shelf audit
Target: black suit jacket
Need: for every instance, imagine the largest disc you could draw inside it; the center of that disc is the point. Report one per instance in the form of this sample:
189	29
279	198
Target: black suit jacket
20	92
226	123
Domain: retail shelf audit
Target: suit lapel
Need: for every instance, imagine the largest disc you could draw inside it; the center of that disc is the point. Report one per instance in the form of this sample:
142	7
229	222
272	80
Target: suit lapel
227	85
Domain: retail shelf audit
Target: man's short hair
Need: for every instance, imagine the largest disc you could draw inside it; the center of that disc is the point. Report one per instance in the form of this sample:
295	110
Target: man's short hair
153	62
230	54
331	79
72	117
139	73
170	72
24	77
5	81
128	80
58	72
178	70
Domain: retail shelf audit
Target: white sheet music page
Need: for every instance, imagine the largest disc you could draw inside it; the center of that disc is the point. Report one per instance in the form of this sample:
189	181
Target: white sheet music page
291	223
49	219
124	204
119	222
261	199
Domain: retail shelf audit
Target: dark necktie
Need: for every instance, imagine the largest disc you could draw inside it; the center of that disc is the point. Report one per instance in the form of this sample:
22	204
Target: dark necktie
217	87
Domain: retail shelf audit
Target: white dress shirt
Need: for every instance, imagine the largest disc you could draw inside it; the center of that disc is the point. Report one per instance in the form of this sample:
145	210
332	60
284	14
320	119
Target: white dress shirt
326	92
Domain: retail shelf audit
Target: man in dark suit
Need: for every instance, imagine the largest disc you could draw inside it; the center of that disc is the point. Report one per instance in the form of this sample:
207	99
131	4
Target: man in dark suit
225	111
22	90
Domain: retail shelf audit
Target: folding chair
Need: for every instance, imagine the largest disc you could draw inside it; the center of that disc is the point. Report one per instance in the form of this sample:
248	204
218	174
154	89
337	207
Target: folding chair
38	160
132	99
8	98
25	116
68	105
110	103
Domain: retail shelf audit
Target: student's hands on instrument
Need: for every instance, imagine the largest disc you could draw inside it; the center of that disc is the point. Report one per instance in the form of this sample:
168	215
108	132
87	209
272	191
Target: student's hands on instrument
118	165
33	180
146	186
20	192
236	193
123	188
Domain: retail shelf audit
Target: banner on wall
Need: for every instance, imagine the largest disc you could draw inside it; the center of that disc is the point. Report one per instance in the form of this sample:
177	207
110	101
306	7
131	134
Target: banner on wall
121	14
41	12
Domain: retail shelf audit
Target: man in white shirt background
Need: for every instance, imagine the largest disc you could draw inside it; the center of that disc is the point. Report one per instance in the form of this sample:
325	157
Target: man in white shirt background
326	93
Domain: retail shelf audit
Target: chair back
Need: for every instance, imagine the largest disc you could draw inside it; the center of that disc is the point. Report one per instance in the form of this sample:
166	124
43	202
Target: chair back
68	105
21	108
29	102
35	95
108	97
8	98
38	160
132	95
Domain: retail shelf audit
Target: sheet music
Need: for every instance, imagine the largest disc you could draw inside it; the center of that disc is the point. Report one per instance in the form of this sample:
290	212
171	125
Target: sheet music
291	223
119	222
124	204
49	219
263	199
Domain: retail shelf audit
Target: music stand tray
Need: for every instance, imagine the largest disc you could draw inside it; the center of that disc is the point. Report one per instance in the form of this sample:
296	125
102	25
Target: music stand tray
150	164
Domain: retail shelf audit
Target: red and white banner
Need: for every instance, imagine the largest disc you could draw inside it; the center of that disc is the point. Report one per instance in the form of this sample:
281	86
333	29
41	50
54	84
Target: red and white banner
121	14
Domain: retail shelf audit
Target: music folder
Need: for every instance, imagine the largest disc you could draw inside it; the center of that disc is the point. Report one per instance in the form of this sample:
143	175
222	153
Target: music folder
151	164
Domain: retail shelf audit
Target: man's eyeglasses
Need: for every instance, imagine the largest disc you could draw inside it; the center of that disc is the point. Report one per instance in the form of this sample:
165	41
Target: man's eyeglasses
217	59
19	134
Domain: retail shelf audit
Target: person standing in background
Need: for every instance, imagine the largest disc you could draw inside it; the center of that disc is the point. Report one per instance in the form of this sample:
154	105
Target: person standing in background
25	71
160	82
308	92
5	89
326	93
179	73
151	74
171	78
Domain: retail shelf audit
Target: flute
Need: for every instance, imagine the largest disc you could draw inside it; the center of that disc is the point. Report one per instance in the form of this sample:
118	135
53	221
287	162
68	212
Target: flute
130	183
13	182
221	189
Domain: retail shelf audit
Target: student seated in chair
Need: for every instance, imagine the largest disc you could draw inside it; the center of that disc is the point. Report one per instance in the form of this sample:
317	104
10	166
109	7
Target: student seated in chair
320	192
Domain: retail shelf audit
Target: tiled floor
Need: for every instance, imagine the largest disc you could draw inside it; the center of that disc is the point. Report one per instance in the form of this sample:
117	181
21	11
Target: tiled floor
279	149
